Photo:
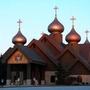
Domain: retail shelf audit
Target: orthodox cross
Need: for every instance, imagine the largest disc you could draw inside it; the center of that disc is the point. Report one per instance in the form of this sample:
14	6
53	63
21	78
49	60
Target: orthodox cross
86	34
55	8
19	23
73	19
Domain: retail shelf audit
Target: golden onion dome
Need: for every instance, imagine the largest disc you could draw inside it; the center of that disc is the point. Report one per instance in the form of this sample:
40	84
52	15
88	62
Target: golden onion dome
73	36
19	39
55	26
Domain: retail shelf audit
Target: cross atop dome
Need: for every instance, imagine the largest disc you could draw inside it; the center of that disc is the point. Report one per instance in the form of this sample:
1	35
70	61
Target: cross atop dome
55	8
87	34
73	19
19	38
55	26
19	23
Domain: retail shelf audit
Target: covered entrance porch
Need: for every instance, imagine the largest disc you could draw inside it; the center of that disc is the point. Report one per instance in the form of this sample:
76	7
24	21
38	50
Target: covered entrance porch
18	74
25	74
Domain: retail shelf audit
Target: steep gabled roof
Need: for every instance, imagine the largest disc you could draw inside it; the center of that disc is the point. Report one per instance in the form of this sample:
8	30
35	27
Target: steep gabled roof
67	49
43	51
77	56
52	59
34	40
57	47
7	54
30	54
52	42
84	50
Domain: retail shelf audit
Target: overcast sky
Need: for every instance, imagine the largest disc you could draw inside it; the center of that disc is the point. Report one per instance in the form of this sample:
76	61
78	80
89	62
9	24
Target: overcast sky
36	15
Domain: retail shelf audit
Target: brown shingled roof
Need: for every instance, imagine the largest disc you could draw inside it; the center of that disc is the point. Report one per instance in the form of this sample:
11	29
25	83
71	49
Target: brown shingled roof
77	56
26	51
84	50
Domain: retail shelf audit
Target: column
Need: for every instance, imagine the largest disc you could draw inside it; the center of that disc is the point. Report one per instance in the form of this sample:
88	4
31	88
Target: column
42	76
28	74
8	80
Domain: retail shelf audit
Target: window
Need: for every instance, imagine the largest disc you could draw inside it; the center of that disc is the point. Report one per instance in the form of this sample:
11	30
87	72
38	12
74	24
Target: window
52	79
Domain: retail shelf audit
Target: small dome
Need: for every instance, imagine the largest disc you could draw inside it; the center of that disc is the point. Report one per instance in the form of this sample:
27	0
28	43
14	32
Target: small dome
19	39
86	41
55	26
73	36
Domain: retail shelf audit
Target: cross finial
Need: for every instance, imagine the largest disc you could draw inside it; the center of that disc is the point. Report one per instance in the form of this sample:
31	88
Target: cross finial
73	19
86	34
55	8
19	23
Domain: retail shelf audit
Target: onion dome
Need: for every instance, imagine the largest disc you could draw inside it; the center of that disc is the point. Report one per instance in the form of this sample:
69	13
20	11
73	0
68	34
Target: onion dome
73	36
19	38
55	26
87	41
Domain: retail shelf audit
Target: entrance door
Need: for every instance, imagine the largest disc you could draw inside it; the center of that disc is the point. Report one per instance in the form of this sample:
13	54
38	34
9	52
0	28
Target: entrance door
17	78
18	74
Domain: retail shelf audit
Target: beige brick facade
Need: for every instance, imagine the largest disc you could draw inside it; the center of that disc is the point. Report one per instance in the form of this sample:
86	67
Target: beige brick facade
48	75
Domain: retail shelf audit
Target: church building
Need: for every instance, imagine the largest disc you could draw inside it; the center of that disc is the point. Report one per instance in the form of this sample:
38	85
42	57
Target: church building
36	62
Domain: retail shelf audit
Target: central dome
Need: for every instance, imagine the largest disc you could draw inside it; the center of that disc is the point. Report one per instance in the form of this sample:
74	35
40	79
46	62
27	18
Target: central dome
55	26
19	39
